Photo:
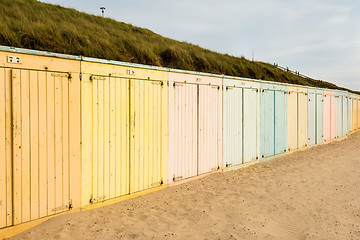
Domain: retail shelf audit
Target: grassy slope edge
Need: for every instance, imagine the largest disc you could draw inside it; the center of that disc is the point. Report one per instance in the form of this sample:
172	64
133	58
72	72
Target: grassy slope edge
41	26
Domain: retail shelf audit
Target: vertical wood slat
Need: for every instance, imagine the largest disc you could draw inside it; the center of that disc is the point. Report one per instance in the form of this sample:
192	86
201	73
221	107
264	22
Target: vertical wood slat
150	172
25	146
132	135
16	121
74	109
51	143
58	138
200	124
88	131
186	158
188	131
3	149
165	132
136	145
100	162
140	114
112	140
179	135
146	141
66	161
34	136
43	187
118	138
9	146
6	150
125	134
95	140
155	95
106	138
137	127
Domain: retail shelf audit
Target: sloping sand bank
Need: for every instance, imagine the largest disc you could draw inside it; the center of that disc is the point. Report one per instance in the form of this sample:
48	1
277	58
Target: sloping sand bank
311	194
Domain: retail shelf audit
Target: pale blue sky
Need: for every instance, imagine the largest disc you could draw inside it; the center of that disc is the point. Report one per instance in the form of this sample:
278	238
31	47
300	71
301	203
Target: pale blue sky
319	38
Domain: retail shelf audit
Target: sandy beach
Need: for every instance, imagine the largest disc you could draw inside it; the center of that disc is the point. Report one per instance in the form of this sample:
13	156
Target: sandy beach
310	194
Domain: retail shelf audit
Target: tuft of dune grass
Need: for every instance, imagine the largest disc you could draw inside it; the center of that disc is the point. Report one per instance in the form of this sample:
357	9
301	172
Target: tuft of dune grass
41	26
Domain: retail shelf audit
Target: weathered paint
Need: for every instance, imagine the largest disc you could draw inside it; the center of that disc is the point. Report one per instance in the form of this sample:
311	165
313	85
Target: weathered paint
195	131
353	112
330	107
232	126
315	117
350	114
148	146
311	117
339	115
292	118
354	104
319	116
344	115
124	130
40	162
302	117
333	115
296	118
273	126
280	121
356	112
39	137
210	117
183	144
6	194
241	119
267	127
251	110
327	116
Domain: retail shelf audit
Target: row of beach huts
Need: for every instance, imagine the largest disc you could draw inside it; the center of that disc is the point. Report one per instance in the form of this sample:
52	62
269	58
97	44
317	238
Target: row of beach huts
76	131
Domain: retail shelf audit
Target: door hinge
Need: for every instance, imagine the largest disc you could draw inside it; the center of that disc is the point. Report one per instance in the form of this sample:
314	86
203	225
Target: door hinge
154	184
92	78
92	199
157	83
177	178
67	75
62	208
177	84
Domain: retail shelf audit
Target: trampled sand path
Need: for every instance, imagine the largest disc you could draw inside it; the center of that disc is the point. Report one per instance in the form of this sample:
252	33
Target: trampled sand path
311	194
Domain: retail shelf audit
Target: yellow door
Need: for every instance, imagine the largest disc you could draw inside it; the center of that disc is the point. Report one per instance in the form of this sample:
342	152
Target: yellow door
123	131
35	162
147	124
109	169
5	149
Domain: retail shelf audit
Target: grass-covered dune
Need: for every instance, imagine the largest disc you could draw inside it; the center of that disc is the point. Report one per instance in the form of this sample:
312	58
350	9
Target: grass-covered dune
40	26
